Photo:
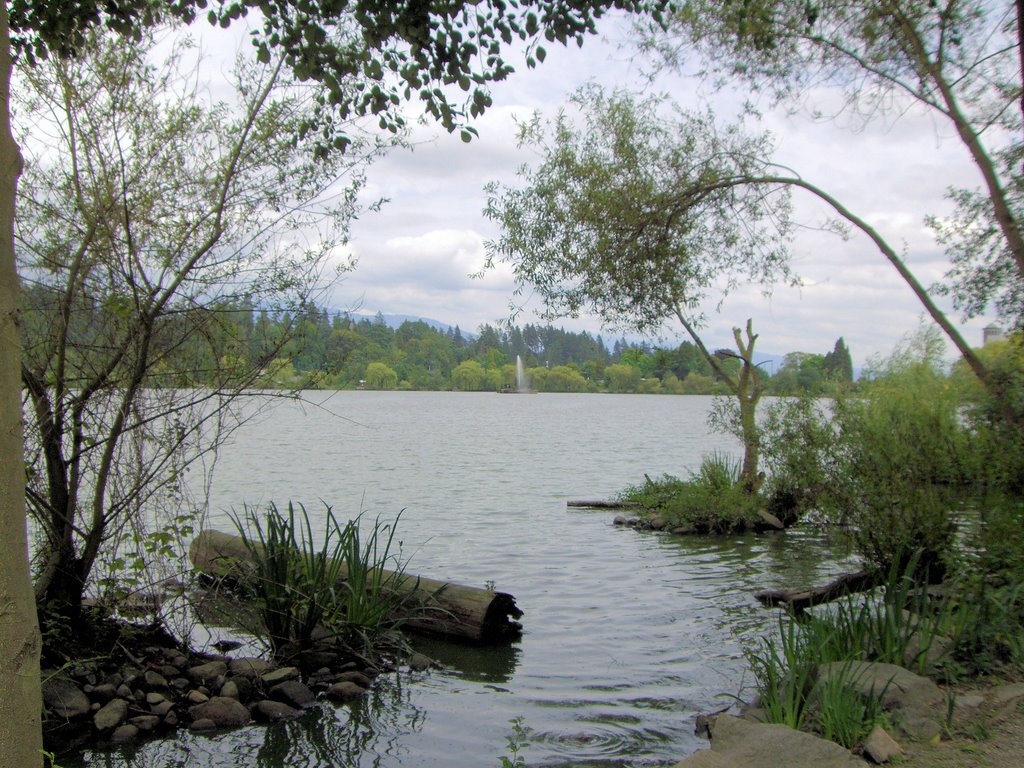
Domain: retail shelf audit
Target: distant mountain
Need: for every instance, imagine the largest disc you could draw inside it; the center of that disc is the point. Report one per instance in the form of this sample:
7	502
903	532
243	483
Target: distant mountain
393	321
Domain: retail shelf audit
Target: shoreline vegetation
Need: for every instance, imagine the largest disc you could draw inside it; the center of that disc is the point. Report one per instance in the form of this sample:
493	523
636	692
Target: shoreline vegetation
924	484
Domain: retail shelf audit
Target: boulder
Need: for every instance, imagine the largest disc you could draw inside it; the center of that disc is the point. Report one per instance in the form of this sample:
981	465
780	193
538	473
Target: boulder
145	723
224	712
205	674
249	667
345	691
276	676
154	680
103	693
292	692
230	690
420	663
64	699
202	725
917	703
275	711
354	677
739	743
110	715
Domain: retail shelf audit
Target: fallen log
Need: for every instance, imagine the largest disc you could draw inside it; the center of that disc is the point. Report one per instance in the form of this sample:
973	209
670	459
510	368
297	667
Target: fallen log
603	504
797	600
444	609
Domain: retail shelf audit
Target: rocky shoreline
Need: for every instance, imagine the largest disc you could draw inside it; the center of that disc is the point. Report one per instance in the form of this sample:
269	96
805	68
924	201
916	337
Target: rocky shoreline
158	689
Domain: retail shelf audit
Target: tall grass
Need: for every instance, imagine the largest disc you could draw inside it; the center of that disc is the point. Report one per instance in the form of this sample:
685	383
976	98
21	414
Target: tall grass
713	500
339	585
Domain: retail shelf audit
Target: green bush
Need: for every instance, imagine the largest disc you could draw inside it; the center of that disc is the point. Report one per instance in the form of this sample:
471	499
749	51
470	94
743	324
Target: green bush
711	501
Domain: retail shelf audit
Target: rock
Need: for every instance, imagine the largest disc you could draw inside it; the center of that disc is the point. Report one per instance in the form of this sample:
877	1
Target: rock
969	701
619	520
230	689
180	683
916	702
244	686
227	645
171	719
770	520
103	693
938	646
145	723
195	697
155	680
249	667
1004	694
205	674
162	709
275	711
64	699
880	747
124	734
279	676
170	671
111	715
155	698
354	677
314	658
738	743
345	691
202	725
656	524
420	663
224	712
684	530
124	691
292	692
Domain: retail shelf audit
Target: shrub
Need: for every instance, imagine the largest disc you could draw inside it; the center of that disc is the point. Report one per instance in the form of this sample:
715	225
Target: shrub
711	501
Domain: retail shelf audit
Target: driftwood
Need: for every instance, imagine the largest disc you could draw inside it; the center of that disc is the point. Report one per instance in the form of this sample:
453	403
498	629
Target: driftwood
449	610
603	504
797	600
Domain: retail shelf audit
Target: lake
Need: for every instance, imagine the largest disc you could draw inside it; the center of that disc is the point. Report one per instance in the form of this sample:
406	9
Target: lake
627	635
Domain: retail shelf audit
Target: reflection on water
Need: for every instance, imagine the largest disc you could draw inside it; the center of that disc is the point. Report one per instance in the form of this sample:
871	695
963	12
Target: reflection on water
627	635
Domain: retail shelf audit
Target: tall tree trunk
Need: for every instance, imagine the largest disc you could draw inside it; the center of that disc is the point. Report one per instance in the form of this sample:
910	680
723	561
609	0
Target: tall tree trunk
21	703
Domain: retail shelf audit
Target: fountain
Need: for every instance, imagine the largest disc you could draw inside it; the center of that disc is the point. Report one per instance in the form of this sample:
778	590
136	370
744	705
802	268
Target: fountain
522	385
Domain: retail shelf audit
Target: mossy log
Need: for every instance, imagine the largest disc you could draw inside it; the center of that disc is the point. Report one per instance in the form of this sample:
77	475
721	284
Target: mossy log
443	608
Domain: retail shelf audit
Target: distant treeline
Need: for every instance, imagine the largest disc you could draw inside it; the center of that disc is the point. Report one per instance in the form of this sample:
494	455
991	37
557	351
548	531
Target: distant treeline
310	347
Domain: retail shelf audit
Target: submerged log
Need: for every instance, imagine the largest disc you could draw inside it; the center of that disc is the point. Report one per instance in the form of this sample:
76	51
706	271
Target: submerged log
797	600
442	608
603	504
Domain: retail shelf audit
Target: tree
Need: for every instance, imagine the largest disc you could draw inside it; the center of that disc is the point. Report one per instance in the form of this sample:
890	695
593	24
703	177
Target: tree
380	376
412	51
469	376
959	60
838	365
597	226
145	212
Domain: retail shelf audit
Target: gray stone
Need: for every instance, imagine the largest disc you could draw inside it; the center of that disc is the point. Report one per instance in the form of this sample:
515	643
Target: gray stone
345	691
279	676
155	698
155	679
171	719
145	723
249	667
275	711
204	674
224	712
230	689
111	715
1007	693
292	692
124	733
880	747
196	697
103	693
124	691
969	701
420	663
64	699
162	709
916	702
739	743
354	677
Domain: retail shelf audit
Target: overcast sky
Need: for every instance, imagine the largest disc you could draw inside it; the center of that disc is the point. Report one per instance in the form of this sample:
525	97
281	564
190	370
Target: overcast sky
416	256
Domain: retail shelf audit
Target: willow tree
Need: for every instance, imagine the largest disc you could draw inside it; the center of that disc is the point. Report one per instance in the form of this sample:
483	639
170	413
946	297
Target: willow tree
959	61
606	223
363	58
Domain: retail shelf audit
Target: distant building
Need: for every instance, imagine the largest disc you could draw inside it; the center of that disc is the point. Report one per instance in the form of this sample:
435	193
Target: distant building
992	333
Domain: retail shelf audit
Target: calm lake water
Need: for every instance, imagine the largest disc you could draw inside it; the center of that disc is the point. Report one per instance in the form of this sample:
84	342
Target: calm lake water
627	635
